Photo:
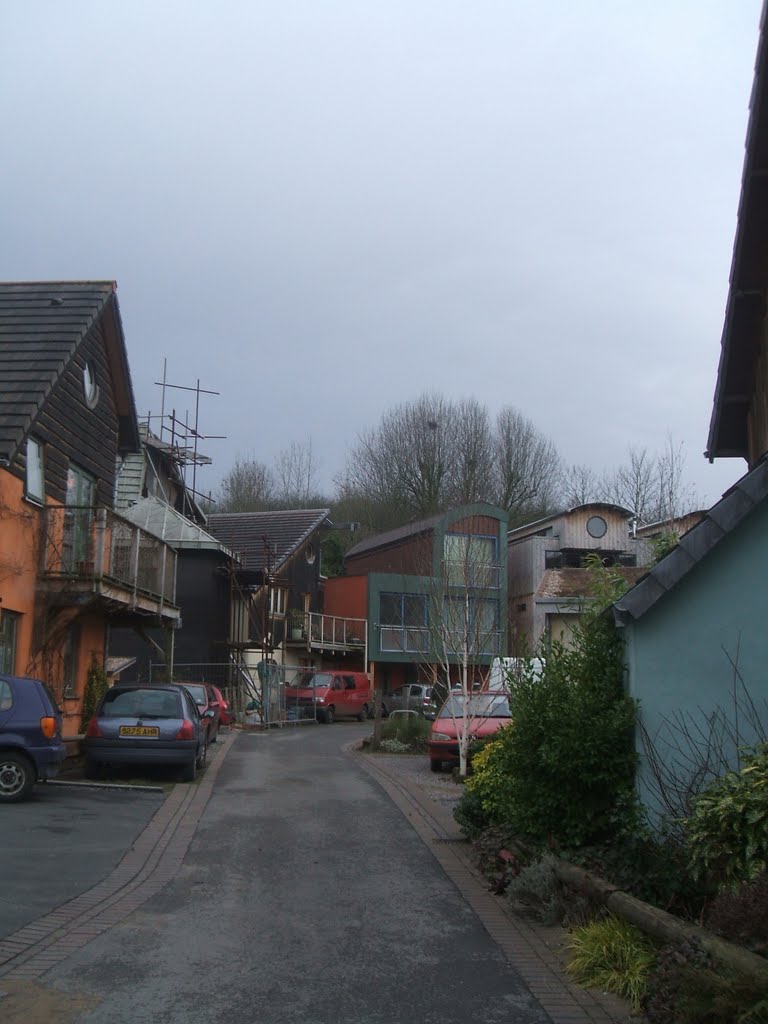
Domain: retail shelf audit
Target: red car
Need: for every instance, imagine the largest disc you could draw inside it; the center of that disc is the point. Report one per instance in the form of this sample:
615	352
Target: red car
487	712
225	716
206	700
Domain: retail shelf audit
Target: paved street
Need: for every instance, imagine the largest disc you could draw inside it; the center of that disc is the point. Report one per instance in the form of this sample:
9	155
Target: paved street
305	896
62	842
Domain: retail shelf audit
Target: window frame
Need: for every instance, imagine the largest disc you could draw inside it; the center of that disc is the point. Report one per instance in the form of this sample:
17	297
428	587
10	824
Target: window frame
33	477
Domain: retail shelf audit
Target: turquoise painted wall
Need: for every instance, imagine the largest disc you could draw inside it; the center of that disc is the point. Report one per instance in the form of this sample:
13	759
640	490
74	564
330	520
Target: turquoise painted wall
677	664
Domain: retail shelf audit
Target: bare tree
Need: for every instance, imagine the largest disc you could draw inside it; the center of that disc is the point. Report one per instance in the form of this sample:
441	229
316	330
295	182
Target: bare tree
634	485
247	487
295	476
579	486
471	467
527	467
675	496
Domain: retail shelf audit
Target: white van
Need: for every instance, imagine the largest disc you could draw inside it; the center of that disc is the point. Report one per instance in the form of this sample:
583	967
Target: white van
504	669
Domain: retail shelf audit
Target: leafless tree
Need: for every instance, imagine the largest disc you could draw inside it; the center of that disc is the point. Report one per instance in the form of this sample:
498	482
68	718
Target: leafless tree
675	496
579	486
433	454
247	487
295	476
527	467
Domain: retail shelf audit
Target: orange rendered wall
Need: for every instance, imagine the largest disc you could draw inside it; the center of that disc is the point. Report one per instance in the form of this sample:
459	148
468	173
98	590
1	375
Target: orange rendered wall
346	596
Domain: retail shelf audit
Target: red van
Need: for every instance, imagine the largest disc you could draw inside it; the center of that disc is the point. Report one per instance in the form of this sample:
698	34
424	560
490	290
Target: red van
330	694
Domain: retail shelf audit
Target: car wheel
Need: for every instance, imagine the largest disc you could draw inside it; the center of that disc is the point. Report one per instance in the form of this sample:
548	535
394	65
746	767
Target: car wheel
330	715
436	766
17	776
202	757
189	771
363	714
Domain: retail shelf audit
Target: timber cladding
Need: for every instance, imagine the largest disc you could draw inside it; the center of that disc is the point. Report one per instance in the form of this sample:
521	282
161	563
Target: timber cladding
49	333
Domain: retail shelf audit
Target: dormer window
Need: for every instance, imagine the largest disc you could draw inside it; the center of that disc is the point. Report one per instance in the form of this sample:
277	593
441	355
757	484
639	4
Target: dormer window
90	387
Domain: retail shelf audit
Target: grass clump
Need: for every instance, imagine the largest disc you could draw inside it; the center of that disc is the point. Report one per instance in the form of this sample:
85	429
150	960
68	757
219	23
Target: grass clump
612	955
409	733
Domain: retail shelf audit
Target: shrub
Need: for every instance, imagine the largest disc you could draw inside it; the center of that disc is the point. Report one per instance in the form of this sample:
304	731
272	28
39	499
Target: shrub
394	746
726	831
470	815
612	955
536	889
563	770
687	987
96	686
741	915
411	731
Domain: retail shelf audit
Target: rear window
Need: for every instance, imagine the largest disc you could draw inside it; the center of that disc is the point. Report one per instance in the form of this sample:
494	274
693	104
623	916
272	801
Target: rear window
141	704
6	696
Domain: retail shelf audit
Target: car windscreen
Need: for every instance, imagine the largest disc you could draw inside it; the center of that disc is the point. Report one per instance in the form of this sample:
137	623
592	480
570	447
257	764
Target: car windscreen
141	704
320	679
481	705
198	693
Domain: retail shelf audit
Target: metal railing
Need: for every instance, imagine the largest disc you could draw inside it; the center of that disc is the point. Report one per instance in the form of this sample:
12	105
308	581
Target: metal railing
473	575
423	641
334	631
83	543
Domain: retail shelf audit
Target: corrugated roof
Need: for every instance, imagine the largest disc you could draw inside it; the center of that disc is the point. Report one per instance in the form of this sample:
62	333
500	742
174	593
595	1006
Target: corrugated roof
41	326
162	520
733	508
285	532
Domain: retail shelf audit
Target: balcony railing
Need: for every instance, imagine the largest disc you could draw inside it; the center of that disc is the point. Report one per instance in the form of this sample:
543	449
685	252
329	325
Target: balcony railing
95	544
422	641
334	631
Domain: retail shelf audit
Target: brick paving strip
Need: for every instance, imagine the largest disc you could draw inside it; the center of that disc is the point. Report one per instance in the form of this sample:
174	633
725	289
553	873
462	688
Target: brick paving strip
149	865
533	949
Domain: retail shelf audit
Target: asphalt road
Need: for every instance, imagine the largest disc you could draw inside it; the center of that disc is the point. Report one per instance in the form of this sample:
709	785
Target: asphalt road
62	842
305	896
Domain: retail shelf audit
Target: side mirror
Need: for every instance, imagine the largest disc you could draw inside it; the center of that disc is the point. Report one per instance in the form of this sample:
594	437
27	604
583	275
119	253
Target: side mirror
208	713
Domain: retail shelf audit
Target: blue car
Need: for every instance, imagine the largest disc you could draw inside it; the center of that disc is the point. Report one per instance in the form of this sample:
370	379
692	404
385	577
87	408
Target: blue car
31	747
143	726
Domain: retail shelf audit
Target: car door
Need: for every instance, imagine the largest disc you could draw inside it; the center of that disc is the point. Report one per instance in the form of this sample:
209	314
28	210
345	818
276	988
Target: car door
351	696
395	701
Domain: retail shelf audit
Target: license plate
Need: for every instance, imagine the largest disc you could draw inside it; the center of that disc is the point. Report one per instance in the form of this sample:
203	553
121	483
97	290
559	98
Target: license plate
151	731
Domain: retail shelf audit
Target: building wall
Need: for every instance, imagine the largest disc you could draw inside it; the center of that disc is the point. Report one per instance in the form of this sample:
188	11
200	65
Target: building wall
678	652
346	596
19	533
412	555
757	419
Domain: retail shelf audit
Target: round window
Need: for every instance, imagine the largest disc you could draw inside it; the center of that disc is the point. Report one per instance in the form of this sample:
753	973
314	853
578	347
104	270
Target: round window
309	553
90	387
596	526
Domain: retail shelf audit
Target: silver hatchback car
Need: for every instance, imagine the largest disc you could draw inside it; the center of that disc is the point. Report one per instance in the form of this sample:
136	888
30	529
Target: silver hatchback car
411	697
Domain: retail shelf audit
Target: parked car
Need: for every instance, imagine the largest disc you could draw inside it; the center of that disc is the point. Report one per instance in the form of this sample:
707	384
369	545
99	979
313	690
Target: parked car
31	747
487	712
225	715
411	697
205	698
331	694
147	725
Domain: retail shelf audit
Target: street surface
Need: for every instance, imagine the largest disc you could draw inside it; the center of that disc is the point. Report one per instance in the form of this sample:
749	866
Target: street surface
304	896
60	843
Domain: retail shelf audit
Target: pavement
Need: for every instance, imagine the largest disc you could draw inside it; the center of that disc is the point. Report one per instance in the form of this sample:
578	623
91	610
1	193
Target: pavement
156	856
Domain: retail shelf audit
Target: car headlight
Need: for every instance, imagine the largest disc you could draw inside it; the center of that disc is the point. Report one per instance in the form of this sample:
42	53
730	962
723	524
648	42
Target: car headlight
319	700
441	736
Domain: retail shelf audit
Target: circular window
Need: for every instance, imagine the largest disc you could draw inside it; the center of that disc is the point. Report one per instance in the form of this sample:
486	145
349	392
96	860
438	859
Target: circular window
309	553
90	387
596	526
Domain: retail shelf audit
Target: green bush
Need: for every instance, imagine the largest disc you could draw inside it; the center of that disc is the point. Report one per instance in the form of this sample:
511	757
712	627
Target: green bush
563	771
611	955
726	832
470	815
410	730
96	686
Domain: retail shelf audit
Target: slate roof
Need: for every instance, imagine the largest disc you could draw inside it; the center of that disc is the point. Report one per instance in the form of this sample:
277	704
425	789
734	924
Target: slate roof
41	326
285	531
576	584
382	540
694	546
745	308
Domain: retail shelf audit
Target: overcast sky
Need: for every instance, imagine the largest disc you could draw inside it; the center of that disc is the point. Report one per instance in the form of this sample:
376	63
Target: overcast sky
321	208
